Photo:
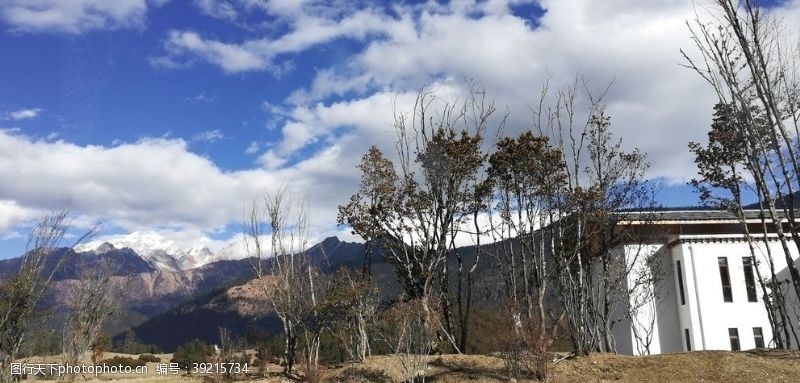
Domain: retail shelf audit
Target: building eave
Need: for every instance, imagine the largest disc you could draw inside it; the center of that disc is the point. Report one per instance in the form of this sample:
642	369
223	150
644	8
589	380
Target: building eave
718	238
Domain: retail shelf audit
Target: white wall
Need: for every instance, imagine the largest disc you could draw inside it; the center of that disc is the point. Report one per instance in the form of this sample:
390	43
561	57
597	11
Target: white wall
708	315
667	307
658	318
689	315
643	331
705	313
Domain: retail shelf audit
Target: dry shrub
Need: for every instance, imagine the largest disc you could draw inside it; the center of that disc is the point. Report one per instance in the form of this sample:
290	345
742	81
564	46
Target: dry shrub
124	361
311	374
361	375
99	348
150	358
416	323
266	351
525	348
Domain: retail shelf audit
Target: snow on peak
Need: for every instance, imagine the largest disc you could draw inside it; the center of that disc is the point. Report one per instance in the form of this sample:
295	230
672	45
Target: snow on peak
164	251
105	247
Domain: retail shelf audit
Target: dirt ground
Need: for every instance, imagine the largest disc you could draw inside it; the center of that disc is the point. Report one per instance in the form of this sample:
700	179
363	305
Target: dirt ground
708	366
703	366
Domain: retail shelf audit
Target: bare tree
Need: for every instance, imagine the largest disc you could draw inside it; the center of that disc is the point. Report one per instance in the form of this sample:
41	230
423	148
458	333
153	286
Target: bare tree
350	303
751	63
643	294
722	165
604	188
616	179
20	294
288	278
92	300
231	350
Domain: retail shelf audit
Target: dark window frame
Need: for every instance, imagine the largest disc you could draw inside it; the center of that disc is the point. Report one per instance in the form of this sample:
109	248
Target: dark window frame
758	337
725	279
687	337
680	282
733	336
749	279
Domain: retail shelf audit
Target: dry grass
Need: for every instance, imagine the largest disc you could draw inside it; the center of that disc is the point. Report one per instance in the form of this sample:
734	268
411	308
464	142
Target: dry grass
703	366
272	371
709	366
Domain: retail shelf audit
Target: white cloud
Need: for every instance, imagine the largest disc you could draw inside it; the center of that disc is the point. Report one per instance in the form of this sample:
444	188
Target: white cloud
307	28
252	148
221	9
23	114
371	116
11	213
327	83
655	104
201	97
231	57
154	184
209	136
130	184
74	16
270	160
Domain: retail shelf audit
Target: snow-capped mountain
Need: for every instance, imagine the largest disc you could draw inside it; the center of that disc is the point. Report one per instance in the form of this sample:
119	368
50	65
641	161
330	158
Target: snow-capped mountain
164	253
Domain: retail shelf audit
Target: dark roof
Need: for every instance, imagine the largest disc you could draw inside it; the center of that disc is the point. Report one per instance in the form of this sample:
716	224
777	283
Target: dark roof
693	215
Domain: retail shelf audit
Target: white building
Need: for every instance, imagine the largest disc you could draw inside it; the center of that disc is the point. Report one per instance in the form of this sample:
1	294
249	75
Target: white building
708	297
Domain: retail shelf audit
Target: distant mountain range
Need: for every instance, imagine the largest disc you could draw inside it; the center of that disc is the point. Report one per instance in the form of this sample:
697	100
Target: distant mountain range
147	287
163	253
164	278
243	310
242	307
167	303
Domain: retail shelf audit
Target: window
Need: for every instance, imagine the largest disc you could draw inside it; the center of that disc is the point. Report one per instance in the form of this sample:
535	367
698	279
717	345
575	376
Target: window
688	339
725	277
680	283
758	335
733	335
749	281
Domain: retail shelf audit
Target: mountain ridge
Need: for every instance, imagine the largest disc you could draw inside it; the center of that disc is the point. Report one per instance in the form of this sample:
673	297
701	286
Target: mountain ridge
164	253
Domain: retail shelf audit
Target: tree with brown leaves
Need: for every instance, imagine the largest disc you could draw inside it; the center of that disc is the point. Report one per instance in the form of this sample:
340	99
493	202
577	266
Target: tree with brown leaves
416	205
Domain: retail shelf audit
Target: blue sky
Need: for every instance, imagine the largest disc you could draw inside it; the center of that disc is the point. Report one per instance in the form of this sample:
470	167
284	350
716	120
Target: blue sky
170	116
